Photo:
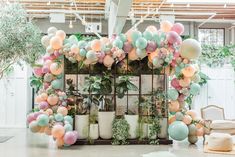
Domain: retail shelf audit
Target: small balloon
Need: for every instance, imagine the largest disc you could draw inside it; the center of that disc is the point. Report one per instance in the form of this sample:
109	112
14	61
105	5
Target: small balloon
194	89
118	43
62	110
141	43
127	47
192	130
96	45
52	30
135	35
42	120
108	61
188	71
172	37
56	43
132	55
148	35
68	119
59	117
57	84
141	53
173	94
34	127
52	99
192	139
174	106
151	29
70	138
58	131
151	46
179	116
178	28
56	69
165	26
187	119
45	41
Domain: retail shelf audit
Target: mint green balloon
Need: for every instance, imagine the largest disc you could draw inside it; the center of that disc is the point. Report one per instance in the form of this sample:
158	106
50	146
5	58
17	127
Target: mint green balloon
135	35
148	35
194	89
68	119
141	53
179	116
82	52
82	44
156	38
118	43
172	94
59	117
91	55
141	43
42	120
68	127
56	84
73	39
178	131
122	37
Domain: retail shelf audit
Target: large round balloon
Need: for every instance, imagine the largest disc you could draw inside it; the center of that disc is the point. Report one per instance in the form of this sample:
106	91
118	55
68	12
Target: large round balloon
178	131
173	94
56	69
141	43
58	131
96	45
118	43
52	99
190	49
70	138
56	43
42	120
61	34
178	28
57	84
165	26
194	88
148	35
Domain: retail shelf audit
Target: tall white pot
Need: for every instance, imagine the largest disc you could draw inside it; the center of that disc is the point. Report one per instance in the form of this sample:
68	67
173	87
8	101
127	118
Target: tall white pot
144	130
132	120
82	126
94	131
163	131
105	120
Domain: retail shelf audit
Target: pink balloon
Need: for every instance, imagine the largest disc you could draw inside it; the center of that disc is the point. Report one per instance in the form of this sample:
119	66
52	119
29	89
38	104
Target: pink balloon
45	69
30	118
43	105
127	47
36	114
178	28
181	97
173	63
70	138
172	37
46	85
38	71
56	53
175	84
151	46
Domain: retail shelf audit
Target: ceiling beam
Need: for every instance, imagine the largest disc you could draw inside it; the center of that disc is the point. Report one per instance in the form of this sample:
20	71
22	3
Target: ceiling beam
107	8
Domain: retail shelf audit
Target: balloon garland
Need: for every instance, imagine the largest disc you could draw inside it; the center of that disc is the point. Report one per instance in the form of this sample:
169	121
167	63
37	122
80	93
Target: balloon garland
163	48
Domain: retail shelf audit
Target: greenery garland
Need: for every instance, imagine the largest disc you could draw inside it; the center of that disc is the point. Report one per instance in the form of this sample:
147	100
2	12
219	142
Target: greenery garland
120	129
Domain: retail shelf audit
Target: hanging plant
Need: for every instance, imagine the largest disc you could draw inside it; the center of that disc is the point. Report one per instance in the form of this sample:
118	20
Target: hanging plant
17	44
120	129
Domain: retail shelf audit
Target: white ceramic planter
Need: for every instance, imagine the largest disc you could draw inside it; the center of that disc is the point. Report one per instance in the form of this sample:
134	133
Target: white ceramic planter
94	131
144	129
132	120
149	130
163	131
105	120
82	126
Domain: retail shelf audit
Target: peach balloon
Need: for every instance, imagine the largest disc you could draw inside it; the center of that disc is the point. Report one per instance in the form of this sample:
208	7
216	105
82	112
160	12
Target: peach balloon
104	40
44	96
187	119
166	26
132	55
75	49
56	43
38	99
184	82
58	131
61	34
174	106
49	111
171	119
192	113
199	125
128	35
47	131
108	61
62	110
96	45
52	99
200	132
151	28
188	71
152	55
56	69
60	142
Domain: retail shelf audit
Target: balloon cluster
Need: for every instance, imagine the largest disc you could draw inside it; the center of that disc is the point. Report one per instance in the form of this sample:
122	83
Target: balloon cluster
51	114
163	48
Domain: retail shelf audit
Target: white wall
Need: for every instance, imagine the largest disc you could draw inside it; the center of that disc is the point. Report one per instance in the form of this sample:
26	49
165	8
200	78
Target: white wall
15	98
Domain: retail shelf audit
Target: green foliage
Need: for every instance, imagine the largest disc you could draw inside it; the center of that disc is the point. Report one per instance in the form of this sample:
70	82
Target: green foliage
217	56
155	129
93	118
36	82
124	84
79	36
20	38
120	129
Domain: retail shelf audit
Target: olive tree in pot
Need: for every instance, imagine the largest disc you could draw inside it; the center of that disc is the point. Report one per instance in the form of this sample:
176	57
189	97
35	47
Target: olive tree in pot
100	87
124	85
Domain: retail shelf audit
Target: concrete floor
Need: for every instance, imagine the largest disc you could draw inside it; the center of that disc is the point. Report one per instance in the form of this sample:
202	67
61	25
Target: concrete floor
26	144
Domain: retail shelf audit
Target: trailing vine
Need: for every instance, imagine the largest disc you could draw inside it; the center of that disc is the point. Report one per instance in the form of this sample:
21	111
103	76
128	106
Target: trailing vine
120	129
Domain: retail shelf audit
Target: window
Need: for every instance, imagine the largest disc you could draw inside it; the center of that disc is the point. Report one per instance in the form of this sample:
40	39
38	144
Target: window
211	36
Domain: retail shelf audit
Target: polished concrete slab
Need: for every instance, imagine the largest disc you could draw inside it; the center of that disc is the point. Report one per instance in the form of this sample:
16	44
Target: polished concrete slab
26	144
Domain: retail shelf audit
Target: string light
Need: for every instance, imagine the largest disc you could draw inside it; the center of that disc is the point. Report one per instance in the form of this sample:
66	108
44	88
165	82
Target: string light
70	24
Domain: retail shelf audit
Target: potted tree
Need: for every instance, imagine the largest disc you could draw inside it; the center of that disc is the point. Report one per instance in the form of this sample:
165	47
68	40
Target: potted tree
124	85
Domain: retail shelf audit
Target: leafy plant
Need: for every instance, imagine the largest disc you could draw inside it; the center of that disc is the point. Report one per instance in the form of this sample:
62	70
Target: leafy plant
71	87
120	129
124	84
17	44
154	129
36	82
93	118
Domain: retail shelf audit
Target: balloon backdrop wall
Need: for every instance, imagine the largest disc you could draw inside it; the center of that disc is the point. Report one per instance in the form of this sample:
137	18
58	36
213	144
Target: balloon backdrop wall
164	49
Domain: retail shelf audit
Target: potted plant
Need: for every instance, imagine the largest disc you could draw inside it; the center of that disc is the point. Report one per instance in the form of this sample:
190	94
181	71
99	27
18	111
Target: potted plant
99	87
120	129
94	128
153	129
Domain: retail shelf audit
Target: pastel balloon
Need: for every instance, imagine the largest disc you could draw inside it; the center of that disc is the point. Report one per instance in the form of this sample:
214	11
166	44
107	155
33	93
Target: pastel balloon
196	78
187	119
30	118
47	131
56	69
82	52
127	47
190	49
152	55
68	127
68	119
151	46
108	61
37	71
174	106
96	45
178	131
70	138
57	84
135	35
192	129
122	37
43	105
61	34
56	43
175	83
200	132
62	110
141	43
58	131
34	127
59	117
188	71
45	41
179	116
184	82
52	99
148	35
51	30
81	44
151	28
192	139
132	55
128	35
59	142
45	69
74	48
104	40
42	120
73	39
118	43
172	37
178	28
194	89
172	94
165	26
49	111
48	77
141	53
91	55
171	119
192	113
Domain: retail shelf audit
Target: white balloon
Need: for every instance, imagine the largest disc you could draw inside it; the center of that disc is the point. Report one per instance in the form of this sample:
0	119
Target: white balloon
51	30
75	48
190	49
45	41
